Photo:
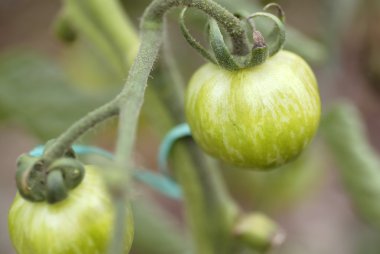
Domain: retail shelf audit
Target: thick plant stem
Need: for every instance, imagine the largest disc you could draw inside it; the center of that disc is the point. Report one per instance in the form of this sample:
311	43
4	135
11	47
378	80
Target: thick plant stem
132	97
131	100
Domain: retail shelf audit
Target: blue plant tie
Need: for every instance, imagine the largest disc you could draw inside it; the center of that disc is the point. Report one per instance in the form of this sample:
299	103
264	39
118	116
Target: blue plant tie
158	182
178	132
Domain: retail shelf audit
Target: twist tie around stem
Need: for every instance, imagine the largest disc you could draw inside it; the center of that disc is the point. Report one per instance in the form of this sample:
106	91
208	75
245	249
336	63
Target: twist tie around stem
191	40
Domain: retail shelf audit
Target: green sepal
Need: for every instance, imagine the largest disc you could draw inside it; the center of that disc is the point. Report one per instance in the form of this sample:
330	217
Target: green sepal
55	187
72	171
277	36
259	55
30	178
259	52
191	40
220	49
281	13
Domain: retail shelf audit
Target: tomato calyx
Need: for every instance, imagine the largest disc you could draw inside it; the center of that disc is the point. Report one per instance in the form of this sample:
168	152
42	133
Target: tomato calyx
220	53
39	181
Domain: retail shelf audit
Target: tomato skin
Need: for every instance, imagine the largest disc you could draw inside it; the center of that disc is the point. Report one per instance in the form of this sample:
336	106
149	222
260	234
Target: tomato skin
260	117
82	223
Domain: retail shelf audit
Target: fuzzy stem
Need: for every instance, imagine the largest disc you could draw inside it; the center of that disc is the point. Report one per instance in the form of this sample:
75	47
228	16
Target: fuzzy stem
66	139
132	96
131	100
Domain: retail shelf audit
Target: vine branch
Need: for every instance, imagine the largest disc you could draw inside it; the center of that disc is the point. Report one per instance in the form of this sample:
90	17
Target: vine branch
151	37
129	102
66	139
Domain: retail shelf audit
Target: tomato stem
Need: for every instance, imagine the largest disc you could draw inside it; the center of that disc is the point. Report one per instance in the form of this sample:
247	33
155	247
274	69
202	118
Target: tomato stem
66	139
128	105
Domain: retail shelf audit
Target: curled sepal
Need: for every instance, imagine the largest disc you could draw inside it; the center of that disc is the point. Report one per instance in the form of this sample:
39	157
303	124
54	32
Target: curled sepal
259	52
259	232
55	187
277	36
72	171
191	40
280	11
30	179
221	51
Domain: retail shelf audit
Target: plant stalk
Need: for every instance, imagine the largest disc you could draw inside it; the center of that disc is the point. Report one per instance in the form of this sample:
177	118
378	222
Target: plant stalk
67	138
204	188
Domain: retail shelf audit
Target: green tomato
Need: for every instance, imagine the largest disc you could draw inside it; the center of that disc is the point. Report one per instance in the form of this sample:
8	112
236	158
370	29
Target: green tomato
81	223
260	117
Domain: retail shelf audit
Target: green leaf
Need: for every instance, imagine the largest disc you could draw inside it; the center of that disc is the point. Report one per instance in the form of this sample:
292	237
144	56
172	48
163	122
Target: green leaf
36	93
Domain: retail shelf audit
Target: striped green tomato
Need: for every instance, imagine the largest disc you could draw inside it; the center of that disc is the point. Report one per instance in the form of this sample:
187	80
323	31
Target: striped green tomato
260	117
81	223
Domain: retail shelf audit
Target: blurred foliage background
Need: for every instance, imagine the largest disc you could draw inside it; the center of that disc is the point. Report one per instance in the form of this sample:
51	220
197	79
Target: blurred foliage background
45	85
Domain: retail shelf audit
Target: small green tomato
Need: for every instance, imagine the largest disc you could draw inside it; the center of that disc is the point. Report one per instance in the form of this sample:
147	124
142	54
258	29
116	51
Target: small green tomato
81	223
260	117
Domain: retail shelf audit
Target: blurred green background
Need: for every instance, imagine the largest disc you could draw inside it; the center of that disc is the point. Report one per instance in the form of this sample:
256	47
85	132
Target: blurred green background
45	85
